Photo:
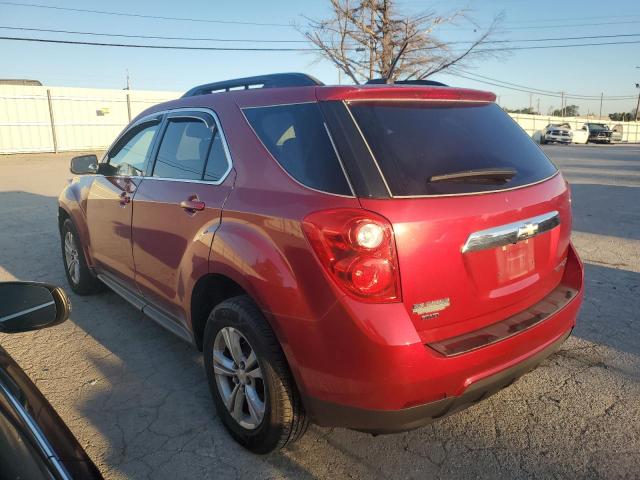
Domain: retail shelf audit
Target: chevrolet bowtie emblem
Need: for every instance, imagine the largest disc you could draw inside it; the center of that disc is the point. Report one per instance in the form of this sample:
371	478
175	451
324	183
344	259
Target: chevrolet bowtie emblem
527	231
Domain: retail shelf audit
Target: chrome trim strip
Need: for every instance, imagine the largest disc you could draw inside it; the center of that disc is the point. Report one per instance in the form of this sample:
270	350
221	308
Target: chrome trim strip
511	233
40	439
278	104
335	150
375	161
208	111
278	163
28	310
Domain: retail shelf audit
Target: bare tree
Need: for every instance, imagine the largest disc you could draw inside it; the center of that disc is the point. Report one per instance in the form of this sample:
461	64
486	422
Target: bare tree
368	39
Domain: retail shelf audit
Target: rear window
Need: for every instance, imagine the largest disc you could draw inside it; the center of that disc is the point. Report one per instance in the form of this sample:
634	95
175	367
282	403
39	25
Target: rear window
297	138
420	146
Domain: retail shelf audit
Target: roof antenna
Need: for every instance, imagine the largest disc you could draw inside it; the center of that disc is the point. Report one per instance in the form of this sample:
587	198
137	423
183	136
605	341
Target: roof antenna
389	78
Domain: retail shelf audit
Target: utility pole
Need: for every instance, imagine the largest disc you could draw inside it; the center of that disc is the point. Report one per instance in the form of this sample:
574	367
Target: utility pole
562	104
538	110
601	97
128	87
530	103
638	104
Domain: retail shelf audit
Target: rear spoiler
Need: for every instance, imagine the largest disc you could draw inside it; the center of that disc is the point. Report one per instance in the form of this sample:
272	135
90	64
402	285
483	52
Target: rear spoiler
403	93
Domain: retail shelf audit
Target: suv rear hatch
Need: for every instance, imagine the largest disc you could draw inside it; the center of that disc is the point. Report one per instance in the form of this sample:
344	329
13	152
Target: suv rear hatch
481	217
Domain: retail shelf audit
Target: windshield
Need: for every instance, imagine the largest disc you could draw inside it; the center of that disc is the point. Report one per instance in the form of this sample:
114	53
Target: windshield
414	142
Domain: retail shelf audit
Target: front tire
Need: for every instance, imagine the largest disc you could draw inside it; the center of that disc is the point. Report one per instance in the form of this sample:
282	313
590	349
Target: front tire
80	278
252	388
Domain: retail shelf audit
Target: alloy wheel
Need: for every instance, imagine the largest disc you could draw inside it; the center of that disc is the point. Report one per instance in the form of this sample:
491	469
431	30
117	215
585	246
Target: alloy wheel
72	257
239	378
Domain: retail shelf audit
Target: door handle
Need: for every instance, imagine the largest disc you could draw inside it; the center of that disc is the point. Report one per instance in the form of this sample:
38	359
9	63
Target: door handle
125	199
192	204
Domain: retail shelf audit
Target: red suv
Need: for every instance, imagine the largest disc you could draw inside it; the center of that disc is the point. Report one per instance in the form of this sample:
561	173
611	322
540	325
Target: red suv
370	257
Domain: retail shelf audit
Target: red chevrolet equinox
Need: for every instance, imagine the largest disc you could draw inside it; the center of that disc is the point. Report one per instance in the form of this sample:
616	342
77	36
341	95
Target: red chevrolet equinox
371	257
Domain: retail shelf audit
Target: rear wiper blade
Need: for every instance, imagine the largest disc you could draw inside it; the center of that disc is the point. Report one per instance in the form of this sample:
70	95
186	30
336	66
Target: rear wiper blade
480	175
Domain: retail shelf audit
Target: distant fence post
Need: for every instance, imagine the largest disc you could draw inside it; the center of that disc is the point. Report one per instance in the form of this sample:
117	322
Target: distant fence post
129	106
53	122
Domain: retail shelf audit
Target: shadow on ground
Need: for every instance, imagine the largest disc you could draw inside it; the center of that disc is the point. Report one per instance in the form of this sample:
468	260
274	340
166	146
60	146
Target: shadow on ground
137	397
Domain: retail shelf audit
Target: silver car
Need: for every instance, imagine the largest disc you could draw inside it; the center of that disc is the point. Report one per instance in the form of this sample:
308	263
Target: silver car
559	133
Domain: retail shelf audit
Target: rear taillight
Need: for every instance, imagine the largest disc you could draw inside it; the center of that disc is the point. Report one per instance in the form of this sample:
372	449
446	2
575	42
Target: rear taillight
357	248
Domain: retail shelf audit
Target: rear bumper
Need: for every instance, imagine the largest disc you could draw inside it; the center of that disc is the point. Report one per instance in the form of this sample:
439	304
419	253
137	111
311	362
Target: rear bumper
386	384
391	421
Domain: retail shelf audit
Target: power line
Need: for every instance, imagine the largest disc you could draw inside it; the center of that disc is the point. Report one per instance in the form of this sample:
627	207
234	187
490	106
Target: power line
156	37
525	90
507	28
138	15
292	49
286	25
538	90
573	18
572	25
536	47
247	40
587	37
160	47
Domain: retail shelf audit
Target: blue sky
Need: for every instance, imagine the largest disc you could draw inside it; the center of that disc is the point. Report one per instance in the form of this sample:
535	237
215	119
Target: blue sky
584	71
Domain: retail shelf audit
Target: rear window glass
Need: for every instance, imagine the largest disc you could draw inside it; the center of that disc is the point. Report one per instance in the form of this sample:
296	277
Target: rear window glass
296	137
421	146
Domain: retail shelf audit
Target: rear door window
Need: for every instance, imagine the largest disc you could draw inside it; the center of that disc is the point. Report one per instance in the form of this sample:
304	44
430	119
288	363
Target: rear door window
421	147
296	136
217	163
184	149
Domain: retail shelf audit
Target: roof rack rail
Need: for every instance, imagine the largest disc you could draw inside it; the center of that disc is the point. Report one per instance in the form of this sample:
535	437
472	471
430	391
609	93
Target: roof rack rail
274	80
424	83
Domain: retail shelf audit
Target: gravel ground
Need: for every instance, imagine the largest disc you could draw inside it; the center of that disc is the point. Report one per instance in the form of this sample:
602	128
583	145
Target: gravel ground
137	399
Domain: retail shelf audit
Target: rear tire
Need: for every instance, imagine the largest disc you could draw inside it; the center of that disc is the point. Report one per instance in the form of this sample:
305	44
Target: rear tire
250	362
80	278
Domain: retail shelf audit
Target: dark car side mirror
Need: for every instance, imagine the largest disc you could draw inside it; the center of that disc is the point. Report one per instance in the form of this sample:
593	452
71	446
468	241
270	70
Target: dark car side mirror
26	306
84	164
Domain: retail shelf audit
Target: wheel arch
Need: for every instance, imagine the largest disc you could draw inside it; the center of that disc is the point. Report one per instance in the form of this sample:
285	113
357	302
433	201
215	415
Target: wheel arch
208	291
65	213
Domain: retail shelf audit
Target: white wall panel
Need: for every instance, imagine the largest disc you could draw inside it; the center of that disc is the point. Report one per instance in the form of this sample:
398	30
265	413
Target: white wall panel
90	118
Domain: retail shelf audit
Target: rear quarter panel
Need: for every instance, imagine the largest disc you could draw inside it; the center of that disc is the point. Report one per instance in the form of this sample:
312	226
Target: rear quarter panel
260	244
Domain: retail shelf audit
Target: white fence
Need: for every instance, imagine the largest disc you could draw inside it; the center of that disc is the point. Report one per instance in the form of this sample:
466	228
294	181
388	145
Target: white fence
56	119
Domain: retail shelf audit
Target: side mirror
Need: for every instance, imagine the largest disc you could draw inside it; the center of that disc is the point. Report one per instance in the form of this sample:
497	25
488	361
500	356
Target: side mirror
84	164
26	306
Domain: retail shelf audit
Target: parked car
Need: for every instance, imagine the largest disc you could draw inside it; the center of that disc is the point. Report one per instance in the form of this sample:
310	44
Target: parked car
599	133
34	441
581	135
616	133
337	252
557	133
